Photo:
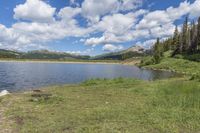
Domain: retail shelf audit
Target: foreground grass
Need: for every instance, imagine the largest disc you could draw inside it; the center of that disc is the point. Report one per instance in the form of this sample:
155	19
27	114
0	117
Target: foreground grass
108	106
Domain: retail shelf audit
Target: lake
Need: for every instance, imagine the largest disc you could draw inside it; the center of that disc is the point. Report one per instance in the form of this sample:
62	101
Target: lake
17	76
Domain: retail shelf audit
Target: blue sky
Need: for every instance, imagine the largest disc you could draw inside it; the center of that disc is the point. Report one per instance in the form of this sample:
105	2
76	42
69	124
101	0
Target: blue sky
89	27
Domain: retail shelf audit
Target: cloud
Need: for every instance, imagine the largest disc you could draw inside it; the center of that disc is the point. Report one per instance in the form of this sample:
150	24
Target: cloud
117	23
108	22
93	10
76	52
162	17
67	13
119	28
85	52
130	4
22	35
108	38
195	9
112	48
34	10
74	3
146	44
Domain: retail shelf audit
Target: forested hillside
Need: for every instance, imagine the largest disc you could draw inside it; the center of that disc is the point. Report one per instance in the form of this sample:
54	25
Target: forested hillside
184	44
9	54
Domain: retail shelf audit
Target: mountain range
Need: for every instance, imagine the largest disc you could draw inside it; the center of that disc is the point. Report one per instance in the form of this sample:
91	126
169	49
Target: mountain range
135	51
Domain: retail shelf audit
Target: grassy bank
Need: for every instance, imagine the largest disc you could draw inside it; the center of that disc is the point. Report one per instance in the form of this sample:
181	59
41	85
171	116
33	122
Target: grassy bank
119	105
177	65
184	66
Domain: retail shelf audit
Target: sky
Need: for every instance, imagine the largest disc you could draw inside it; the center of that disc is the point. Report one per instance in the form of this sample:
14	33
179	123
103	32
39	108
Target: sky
90	27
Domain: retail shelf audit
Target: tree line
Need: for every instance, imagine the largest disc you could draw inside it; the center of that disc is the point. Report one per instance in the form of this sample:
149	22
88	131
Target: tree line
186	41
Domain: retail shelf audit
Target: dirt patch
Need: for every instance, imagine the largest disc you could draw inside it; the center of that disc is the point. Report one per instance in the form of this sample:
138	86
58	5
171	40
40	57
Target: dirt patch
19	121
40	97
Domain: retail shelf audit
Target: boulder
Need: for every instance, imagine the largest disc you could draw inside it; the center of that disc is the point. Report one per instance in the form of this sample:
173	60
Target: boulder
3	93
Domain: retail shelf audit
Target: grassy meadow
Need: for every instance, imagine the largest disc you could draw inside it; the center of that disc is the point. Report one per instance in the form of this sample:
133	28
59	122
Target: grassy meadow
106	106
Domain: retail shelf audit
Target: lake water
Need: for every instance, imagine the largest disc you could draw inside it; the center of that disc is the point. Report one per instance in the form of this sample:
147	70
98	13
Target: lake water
15	76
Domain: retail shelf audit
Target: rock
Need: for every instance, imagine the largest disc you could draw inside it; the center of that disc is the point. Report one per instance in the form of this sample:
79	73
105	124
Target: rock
3	93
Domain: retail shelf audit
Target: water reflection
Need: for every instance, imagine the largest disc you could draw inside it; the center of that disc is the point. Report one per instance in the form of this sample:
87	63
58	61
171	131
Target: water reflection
16	76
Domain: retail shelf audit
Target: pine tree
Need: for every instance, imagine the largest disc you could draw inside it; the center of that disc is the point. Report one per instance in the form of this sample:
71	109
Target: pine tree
185	35
193	38
189	41
198	34
175	42
157	51
179	46
167	44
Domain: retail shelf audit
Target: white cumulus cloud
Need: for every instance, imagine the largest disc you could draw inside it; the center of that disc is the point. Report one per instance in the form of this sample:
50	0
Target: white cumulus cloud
112	48
106	22
34	10
93	10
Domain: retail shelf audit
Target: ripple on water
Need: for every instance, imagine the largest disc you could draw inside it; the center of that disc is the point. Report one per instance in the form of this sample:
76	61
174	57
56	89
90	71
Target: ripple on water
22	76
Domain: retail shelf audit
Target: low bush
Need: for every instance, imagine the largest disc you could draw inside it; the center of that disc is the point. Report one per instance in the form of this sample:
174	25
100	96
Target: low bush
147	61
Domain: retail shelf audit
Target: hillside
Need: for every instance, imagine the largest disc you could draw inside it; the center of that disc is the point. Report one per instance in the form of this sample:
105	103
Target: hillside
40	54
135	51
9	54
44	54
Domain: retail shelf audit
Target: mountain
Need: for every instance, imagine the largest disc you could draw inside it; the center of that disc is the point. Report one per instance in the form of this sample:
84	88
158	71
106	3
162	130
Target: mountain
9	54
40	54
135	51
45	54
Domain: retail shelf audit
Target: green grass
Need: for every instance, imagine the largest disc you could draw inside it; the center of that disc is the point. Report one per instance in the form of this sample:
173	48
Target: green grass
108	106
193	57
185	64
178	65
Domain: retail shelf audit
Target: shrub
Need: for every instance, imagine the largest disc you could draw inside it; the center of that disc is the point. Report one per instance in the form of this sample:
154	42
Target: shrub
147	61
178	56
195	77
194	57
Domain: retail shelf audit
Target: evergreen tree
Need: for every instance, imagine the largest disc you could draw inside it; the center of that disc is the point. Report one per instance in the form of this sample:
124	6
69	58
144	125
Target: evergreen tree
157	51
185	36
175	42
179	46
186	42
198	34
167	44
193	38
189	39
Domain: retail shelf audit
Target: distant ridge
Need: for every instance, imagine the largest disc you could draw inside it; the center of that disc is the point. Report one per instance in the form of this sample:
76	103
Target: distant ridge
135	51
40	54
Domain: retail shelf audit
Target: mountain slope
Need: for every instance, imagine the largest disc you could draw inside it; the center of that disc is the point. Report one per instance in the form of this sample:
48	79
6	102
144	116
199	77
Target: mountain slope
9	54
40	54
135	51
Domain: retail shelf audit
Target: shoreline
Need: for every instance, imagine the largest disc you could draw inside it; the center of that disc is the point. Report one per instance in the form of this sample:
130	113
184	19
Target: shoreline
63	62
5	92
